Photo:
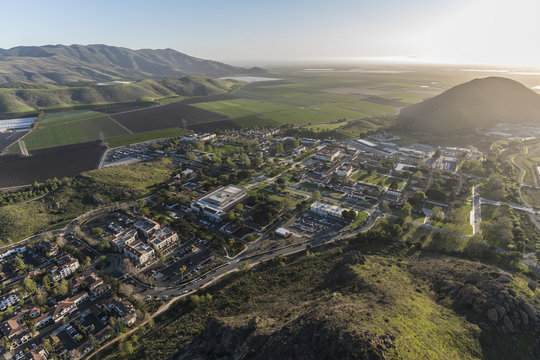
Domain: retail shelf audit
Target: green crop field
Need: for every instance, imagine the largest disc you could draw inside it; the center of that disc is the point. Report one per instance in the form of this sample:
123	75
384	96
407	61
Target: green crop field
144	136
370	108
68	116
73	132
337	112
298	117
240	107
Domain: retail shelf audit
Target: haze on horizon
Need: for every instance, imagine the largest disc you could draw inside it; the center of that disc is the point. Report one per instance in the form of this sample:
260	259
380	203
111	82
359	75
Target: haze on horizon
240	32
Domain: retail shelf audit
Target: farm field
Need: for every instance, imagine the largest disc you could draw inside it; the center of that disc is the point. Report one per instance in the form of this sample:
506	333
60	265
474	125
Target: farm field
300	98
8	138
73	132
167	116
240	107
68	116
144	136
61	161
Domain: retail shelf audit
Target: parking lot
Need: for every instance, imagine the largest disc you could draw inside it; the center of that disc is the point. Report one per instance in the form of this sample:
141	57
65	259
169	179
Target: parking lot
309	224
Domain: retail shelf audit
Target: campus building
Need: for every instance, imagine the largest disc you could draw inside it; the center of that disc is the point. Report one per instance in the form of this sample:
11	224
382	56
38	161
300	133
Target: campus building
219	201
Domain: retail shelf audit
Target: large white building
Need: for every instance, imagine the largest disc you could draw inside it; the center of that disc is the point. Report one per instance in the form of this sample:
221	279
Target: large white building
323	209
219	201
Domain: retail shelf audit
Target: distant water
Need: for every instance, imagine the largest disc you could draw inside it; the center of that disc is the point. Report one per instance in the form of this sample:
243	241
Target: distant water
366	71
250	79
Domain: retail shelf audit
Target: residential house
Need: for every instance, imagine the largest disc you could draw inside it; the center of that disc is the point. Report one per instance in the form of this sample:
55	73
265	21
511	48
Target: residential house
67	265
123	308
8	299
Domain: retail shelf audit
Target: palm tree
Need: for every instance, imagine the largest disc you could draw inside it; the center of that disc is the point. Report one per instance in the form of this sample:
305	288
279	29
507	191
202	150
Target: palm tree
182	270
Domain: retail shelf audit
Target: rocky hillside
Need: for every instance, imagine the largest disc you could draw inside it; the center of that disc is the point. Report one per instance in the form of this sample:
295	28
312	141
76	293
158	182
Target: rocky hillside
79	64
342	304
480	103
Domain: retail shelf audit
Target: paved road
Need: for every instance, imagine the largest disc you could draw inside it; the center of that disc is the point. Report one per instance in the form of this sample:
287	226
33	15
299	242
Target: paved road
513	206
476	211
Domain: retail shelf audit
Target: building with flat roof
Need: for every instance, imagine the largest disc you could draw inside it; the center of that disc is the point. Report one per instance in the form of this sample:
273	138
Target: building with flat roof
323	209
123	238
163	239
217	202
146	227
139	252
283	232
327	154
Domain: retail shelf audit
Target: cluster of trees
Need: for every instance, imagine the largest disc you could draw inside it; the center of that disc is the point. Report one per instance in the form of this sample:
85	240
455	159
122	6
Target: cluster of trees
349	215
267	207
489	166
36	190
510	230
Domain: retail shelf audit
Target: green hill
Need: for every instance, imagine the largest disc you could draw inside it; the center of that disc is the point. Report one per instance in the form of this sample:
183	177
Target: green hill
478	104
30	99
79	64
343	305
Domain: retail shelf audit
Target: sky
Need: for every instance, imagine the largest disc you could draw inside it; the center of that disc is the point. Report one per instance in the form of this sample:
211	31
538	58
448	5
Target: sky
266	32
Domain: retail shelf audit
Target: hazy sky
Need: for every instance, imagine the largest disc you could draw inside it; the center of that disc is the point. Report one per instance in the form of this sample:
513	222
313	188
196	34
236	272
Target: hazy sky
241	31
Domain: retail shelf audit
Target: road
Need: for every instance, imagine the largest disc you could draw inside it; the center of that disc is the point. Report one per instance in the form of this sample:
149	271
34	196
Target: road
502	203
476	211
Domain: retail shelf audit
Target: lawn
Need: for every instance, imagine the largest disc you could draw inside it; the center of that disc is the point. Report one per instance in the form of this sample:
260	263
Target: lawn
326	127
68	116
376	178
145	136
362	217
73	132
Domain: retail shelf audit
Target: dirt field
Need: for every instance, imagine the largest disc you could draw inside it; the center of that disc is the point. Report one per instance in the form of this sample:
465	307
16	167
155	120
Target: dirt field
166	116
60	161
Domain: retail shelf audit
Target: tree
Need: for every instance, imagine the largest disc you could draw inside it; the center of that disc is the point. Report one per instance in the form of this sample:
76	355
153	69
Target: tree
19	264
437	154
349	215
419	197
228	216
316	195
62	288
183	269
97	231
437	213
30	285
406	210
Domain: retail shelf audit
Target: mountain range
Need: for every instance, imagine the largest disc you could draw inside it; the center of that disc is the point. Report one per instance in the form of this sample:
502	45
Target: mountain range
83	64
477	104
